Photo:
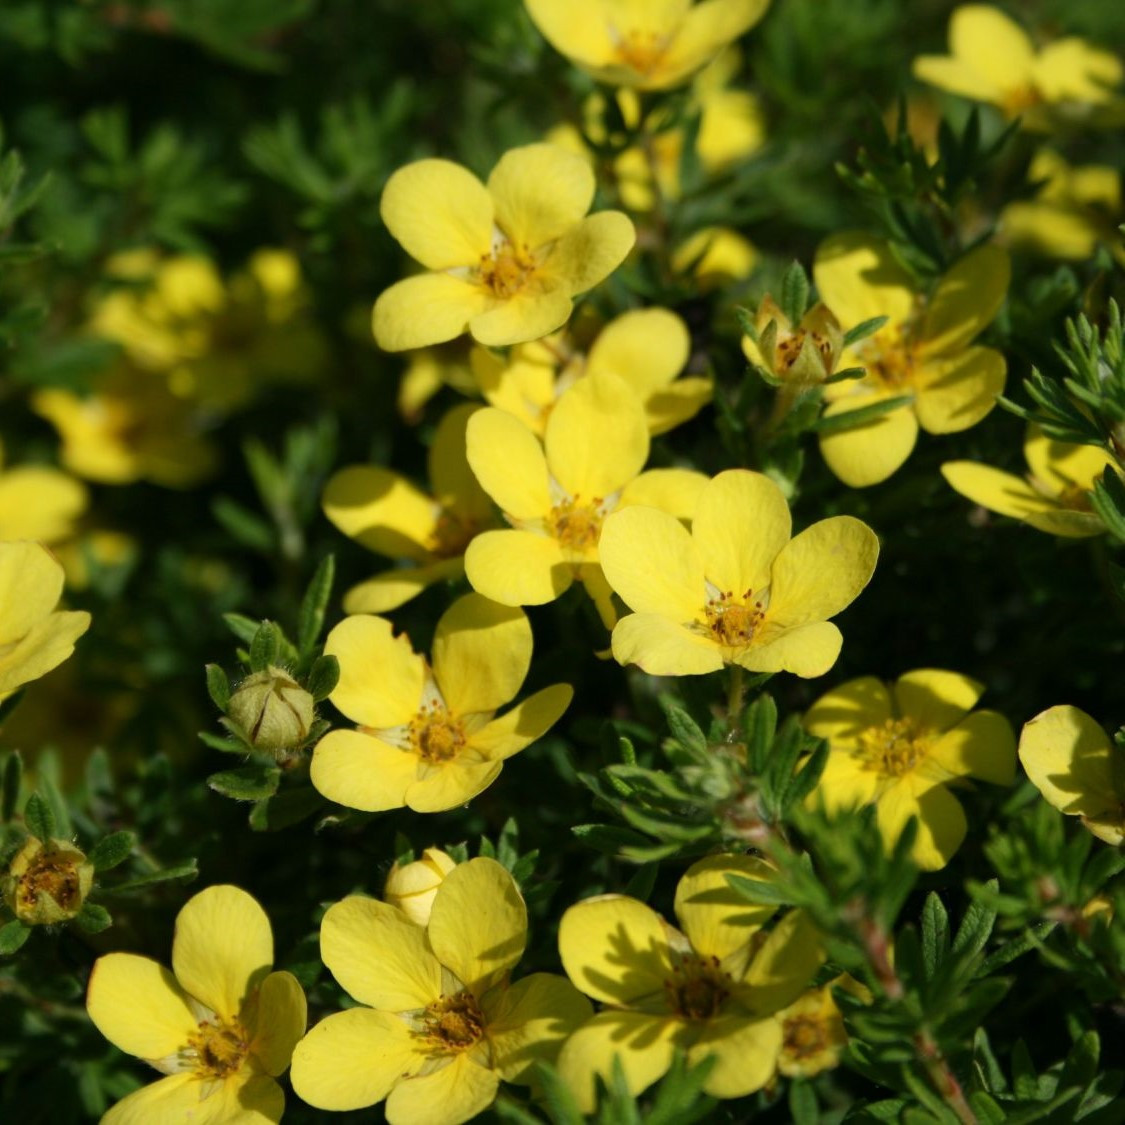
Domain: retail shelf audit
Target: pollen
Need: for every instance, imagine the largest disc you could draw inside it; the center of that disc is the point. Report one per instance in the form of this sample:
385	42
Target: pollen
641	51
888	357
576	526
452	1024
507	270
451	535
733	621
435	735
789	348
697	988
218	1049
53	874
894	748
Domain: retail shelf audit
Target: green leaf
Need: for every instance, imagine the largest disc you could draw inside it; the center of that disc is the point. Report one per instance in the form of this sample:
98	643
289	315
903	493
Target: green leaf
854	419
92	918
803	1106
1108	500
324	675
218	687
759	892
976	927
987	1109
287	809
226	745
760	725
608	838
244	628
264	646
935	935
557	1097
1082	1063
189	869
794	292
310	621
10	785
685	730
12	936
245	527
111	850
250	783
862	330
38	817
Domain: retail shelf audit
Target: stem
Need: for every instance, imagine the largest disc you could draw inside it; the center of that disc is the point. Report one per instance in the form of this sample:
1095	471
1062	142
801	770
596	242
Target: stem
943	1079
734	696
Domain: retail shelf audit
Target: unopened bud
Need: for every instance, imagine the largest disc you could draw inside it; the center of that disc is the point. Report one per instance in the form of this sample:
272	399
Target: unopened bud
805	354
47	883
412	887
272	710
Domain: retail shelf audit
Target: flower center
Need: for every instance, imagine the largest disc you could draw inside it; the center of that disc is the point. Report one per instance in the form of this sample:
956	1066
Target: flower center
731	621
451	535
789	348
576	526
507	269
435	735
888	357
641	51
697	988
894	748
218	1049
452	1024
1020	99
53	875
804	1036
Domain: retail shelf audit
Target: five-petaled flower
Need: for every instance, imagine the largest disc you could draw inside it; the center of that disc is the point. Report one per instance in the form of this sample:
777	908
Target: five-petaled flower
440	1026
427	737
505	261
736	589
901	747
221	1029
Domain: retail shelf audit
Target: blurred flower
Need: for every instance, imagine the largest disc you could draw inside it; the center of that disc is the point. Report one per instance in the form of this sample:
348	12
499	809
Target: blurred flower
803	355
923	351
38	502
427	371
1053	496
47	883
1076	767
715	256
386	513
34	636
709	990
900	748
273	711
505	261
992	59
412	887
438	1026
647	46
1074	210
222	1028
646	348
813	1036
426	736
735	589
556	494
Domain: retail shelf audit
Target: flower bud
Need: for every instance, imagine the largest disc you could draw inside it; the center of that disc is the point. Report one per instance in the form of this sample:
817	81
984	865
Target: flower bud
806	354
413	886
272	710
47	883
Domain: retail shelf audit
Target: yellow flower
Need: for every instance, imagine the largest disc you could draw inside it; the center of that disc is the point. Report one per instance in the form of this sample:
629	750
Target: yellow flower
924	351
803	355
48	882
412	887
34	636
428	370
1076	767
651	46
736	589
1074	209
221	1029
812	1032
505	261
645	348
1053	497
426	737
900	748
709	988
38	502
386	513
556	494
440	1026
992	59
715	256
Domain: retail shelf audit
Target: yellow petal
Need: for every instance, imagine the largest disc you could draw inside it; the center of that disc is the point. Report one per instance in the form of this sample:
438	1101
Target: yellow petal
39	503
597	437
806	651
1058	465
996	490
870	453
784	965
578	30
244	1098
428	309
138	1006
1071	70
454	484
530	1021
941	820
965	301
717	920
396	587
540	192
528	315
589	252
353	1059
957	391
381	510
678	403
981	746
707	27
845	711
381	676
741	524
31	583
378	955
957	77
821	571
991	43
360	771
481	654
478	923
522	388
517	567
1068	524
661	646
447	1096
439	212
222	948
508	460
524	724
653	563
279	1021
647	348
675	491
615	949
1069	759
1053	229
845	784
45	646
936	699
715	255
643	1044
451	784
858	279
745	1052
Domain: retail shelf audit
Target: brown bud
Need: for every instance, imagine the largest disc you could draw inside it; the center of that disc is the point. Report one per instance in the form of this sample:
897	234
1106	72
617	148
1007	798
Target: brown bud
47	883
